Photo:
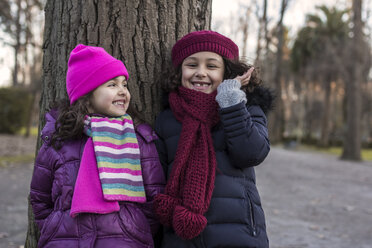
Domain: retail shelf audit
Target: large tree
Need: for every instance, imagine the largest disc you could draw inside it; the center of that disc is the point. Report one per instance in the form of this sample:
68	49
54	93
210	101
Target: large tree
138	32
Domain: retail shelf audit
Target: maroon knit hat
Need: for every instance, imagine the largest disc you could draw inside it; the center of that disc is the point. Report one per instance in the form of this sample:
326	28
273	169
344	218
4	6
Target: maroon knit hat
204	40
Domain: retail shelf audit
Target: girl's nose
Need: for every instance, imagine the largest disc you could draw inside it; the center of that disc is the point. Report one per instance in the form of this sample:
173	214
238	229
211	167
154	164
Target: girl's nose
122	90
201	72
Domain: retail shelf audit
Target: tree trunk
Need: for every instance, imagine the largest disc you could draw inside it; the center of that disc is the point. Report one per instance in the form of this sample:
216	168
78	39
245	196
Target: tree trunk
141	33
277	116
244	25
17	45
261	32
352	139
324	139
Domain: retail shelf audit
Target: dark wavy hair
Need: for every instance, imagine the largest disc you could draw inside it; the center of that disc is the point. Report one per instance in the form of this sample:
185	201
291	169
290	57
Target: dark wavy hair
70	121
171	80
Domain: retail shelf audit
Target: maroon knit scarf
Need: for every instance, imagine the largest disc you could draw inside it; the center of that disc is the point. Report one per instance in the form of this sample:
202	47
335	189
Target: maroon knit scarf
189	188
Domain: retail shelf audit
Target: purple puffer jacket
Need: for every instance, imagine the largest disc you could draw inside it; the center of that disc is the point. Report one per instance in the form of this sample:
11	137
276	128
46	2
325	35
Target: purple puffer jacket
52	187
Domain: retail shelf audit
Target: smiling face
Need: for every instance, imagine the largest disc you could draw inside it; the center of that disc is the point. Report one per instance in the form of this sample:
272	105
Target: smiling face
203	71
111	98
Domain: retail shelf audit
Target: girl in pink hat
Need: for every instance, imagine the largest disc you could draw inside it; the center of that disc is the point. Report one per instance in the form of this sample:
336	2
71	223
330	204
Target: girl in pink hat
97	172
212	134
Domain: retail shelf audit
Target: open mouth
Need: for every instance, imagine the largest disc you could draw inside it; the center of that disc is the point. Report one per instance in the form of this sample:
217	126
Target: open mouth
201	85
119	103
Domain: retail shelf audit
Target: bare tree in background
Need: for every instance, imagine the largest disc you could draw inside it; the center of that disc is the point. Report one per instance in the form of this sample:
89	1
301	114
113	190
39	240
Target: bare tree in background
23	28
276	123
262	30
140	33
244	22
352	140
17	25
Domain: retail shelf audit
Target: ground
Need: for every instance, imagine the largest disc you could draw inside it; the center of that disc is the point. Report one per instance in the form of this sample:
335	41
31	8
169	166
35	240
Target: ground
311	200
14	188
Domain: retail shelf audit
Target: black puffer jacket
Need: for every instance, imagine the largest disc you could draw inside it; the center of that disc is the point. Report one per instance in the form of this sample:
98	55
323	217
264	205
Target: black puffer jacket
235	216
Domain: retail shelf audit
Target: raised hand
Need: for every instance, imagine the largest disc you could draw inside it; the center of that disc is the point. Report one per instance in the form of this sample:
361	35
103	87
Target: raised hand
244	79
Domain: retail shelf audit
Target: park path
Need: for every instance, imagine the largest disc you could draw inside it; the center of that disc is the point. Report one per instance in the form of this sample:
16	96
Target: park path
311	200
316	200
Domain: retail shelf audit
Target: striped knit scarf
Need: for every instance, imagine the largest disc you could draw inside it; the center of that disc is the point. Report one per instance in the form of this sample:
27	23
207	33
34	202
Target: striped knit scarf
118	157
190	185
110	169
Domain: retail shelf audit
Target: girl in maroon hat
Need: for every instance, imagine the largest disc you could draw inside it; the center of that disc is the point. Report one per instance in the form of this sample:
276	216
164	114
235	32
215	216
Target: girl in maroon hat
212	134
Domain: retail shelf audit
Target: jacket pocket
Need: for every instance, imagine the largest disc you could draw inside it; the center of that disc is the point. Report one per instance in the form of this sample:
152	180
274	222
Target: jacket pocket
135	225
50	226
250	213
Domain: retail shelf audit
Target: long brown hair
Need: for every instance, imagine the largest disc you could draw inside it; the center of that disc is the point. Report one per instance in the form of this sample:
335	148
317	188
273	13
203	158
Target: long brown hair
70	121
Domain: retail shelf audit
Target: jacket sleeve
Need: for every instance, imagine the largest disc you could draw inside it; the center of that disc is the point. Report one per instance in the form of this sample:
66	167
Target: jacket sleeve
41	184
246	134
154	182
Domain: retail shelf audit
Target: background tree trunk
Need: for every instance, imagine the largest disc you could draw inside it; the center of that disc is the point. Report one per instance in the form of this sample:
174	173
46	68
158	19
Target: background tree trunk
352	139
17	44
141	33
262	32
276	123
324	138
244	26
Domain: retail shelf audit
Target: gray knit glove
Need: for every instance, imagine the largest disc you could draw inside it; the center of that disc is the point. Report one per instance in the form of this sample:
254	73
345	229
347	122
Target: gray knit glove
229	93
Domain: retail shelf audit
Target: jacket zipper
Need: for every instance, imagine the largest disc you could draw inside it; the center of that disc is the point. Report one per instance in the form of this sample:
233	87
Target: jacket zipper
251	216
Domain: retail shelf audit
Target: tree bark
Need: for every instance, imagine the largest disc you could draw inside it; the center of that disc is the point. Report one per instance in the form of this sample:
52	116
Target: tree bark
352	139
141	33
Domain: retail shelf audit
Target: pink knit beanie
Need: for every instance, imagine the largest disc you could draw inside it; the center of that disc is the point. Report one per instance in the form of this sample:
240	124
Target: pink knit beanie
90	67
205	40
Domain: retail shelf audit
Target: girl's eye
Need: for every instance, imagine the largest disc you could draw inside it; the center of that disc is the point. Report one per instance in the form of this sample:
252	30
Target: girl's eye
112	85
212	66
125	85
191	65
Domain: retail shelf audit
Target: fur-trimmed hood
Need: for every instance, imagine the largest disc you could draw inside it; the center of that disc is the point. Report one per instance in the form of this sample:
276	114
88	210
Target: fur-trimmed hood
262	97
